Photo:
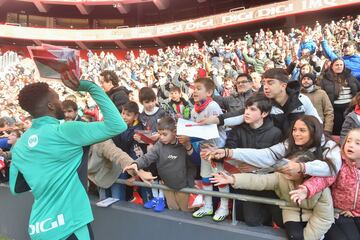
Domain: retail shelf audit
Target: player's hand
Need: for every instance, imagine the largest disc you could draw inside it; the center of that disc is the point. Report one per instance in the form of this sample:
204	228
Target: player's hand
70	80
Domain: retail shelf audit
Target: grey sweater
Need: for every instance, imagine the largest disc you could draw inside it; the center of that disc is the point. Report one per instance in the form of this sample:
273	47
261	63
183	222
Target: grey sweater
173	164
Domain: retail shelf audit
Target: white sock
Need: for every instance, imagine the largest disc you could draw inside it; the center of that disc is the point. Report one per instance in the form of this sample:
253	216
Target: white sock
161	193
224	202
208	199
155	191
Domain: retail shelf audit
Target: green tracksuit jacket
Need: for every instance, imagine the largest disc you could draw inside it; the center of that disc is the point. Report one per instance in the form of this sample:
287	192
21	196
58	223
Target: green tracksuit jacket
46	160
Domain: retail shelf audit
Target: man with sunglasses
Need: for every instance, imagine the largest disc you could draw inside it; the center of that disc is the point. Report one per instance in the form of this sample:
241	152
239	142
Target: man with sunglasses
236	101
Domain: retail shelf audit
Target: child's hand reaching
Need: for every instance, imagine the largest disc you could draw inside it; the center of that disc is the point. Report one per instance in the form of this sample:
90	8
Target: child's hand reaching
347	214
291	168
209	120
184	140
137	138
205	154
210	154
222	178
299	194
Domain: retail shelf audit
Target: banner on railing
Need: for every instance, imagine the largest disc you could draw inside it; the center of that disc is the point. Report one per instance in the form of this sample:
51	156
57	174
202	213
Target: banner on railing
195	25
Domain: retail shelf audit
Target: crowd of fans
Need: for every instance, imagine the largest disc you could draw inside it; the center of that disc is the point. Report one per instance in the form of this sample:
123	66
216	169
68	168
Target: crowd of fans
288	84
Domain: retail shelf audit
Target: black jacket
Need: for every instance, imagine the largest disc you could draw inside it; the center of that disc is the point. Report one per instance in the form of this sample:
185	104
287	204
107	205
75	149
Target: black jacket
242	136
126	142
119	96
327	83
282	116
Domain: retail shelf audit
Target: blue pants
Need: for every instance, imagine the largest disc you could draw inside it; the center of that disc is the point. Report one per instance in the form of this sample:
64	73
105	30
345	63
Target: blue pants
118	190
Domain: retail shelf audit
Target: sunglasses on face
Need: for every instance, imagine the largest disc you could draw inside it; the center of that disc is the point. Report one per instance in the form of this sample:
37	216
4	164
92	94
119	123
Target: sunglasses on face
242	82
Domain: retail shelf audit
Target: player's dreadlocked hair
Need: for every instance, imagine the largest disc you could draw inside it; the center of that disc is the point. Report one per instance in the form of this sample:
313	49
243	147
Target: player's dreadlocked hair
31	95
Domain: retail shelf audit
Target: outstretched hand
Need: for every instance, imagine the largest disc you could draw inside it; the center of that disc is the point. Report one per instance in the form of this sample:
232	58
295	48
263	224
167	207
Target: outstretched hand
299	194
70	80
291	168
130	167
347	214
146	177
209	120
211	154
184	140
222	178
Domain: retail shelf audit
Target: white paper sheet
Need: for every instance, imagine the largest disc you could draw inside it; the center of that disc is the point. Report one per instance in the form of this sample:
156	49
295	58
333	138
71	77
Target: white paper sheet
191	129
106	202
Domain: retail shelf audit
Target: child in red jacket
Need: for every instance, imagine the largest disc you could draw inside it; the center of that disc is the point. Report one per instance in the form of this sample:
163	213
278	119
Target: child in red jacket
344	189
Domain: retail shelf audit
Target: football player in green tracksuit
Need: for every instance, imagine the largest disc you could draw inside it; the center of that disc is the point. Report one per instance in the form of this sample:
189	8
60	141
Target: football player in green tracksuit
47	159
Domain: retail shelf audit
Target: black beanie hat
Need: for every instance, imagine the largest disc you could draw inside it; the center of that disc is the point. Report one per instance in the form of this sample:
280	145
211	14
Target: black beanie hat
309	75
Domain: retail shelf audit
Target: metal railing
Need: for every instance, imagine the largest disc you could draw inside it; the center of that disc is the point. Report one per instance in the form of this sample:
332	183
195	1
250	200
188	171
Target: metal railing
241	197
234	196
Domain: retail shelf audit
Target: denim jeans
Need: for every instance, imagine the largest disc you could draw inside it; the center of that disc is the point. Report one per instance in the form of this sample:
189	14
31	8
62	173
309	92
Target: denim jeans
118	190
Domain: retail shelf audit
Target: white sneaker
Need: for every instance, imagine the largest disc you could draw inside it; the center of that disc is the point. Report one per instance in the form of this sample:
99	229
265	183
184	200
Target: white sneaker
203	211
221	214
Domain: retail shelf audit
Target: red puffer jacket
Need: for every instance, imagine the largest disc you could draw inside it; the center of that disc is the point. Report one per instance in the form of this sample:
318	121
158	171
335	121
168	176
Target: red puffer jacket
345	188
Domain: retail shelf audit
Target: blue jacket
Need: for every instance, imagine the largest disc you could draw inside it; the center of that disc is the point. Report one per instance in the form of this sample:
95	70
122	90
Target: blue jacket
351	62
311	45
4	144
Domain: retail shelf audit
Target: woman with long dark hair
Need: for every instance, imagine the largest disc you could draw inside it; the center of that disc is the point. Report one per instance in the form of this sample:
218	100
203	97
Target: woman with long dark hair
309	153
341	86
306	135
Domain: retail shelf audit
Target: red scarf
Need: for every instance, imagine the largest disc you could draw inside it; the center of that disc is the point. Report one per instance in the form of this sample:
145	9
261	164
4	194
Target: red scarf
357	109
199	107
